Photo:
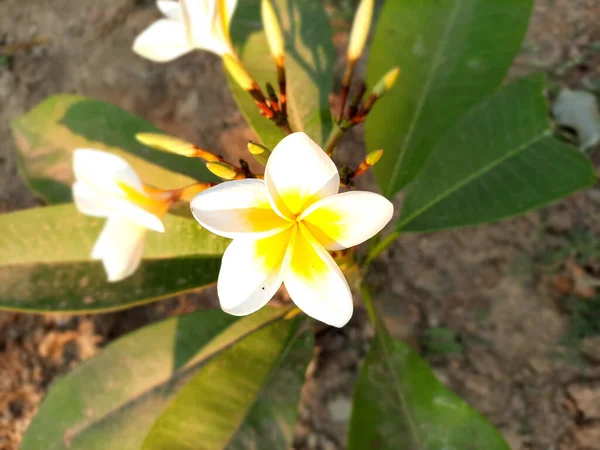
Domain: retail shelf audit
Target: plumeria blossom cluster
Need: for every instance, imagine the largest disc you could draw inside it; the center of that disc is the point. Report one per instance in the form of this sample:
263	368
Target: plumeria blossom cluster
282	227
284	223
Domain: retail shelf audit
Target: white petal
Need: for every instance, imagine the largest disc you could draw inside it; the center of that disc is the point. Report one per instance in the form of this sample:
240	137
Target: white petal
163	41
212	43
89	202
315	282
198	14
120	247
171	9
251	273
236	209
102	170
218	41
230	5
345	220
203	26
138	215
299	173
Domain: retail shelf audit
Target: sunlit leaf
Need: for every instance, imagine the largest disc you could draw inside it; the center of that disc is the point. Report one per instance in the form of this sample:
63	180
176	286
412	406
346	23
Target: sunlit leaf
309	66
253	404
47	135
110	401
45	262
452	53
400	405
500	160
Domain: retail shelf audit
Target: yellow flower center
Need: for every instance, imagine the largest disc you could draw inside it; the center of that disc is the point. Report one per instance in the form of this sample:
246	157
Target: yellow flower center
154	206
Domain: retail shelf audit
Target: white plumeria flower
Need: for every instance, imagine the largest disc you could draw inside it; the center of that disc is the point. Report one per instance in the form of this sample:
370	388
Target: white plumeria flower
188	25
282	229
107	186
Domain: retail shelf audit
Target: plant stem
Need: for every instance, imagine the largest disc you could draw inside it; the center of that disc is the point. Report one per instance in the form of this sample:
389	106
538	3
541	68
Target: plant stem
333	140
380	246
370	307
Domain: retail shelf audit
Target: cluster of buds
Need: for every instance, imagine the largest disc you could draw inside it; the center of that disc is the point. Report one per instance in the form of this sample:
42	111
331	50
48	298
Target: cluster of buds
271	105
204	24
283	224
216	164
358	109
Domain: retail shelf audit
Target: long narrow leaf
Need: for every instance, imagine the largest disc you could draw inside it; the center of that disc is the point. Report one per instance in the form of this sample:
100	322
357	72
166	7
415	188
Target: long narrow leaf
45	262
452	54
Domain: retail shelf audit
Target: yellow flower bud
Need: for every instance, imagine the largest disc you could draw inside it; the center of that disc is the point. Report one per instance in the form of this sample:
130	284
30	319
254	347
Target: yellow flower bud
222	170
374	157
256	149
259	152
371	159
360	29
273	31
239	74
167	143
386	82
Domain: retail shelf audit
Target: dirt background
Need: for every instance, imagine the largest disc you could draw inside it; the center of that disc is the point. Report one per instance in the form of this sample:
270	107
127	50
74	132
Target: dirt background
507	314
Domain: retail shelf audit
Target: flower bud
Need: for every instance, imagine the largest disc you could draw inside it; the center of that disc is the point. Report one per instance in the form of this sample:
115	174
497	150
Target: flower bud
371	159
239	74
386	82
259	152
257	149
167	143
273	31
222	170
360	29
374	157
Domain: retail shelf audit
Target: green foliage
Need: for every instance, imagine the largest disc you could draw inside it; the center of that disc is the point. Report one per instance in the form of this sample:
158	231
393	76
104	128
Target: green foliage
400	405
468	153
253	404
581	245
112	400
45	262
585	320
309	66
584	323
441	341
499	161
452	54
47	135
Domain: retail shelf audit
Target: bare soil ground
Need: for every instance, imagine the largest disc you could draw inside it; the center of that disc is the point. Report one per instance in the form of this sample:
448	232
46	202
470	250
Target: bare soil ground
507	314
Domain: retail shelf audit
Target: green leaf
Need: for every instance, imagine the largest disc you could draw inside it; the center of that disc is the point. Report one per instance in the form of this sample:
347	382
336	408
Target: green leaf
452	53
254	403
47	135
400	405
45	263
111	401
309	66
500	160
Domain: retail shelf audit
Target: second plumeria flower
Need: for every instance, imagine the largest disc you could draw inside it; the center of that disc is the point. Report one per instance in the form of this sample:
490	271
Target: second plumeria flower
282	229
107	186
188	25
